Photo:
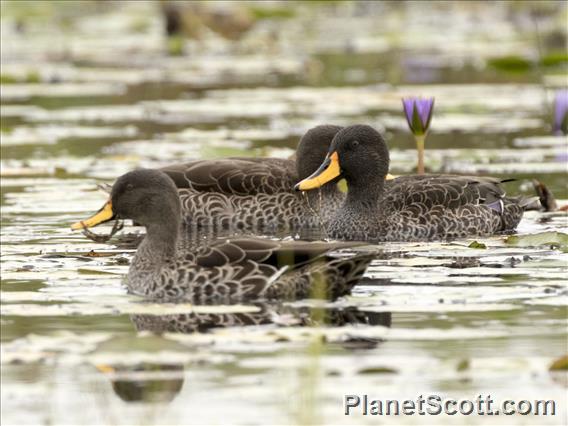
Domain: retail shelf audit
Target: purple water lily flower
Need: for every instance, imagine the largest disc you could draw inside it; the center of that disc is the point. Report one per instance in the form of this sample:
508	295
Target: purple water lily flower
561	112
418	114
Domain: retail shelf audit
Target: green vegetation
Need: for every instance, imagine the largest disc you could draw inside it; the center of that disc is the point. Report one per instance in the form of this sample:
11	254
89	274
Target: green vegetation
463	365
175	45
30	77
560	364
519	64
477	245
262	12
555	59
556	240
377	370
513	64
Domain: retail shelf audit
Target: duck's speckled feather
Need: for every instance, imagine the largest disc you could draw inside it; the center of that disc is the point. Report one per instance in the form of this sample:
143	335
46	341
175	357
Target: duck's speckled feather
262	212
256	194
412	208
235	176
431	207
246	269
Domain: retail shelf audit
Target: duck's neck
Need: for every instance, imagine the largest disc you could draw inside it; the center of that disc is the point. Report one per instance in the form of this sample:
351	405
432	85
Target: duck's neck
325	201
157	249
327	191
364	193
162	239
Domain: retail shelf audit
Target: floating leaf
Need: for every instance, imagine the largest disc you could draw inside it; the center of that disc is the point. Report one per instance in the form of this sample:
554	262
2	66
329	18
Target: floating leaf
477	245
553	239
463	365
377	370
560	364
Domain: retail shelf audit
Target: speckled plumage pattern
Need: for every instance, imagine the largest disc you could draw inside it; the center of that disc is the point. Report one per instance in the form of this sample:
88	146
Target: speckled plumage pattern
428	208
412	208
256	194
243	269
283	211
168	266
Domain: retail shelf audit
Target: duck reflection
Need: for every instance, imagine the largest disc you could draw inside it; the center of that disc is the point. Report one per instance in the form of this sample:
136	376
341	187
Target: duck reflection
264	314
145	382
162	382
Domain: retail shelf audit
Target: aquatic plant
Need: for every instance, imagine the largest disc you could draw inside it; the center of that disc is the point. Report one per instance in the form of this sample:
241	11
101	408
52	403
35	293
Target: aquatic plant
418	112
560	125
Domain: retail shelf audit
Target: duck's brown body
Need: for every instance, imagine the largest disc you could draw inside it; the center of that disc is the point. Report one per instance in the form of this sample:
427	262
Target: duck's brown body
425	208
410	208
168	266
256	194
244	269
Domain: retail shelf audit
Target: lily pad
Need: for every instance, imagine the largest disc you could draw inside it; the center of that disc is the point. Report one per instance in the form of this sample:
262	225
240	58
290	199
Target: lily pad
477	245
557	240
377	370
560	364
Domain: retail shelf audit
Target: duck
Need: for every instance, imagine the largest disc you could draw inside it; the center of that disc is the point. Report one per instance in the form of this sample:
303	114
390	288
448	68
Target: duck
408	208
257	194
169	267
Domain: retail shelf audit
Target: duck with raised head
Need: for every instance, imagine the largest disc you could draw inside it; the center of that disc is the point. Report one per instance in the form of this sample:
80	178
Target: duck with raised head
167	267
409	208
256	194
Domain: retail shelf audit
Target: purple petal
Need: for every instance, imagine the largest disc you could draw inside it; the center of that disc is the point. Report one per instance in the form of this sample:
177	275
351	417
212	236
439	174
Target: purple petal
408	106
560	109
424	108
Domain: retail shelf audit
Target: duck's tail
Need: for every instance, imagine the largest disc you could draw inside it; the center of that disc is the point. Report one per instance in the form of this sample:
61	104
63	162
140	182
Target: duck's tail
347	271
513	209
325	277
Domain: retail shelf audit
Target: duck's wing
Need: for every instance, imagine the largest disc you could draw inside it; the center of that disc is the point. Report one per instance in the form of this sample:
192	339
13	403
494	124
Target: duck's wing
276	269
269	252
235	176
449	191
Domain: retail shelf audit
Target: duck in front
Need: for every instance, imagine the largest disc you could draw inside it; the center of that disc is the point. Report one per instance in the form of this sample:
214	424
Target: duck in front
169	267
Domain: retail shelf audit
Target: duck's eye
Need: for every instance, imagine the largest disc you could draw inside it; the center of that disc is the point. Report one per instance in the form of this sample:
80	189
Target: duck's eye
129	187
354	144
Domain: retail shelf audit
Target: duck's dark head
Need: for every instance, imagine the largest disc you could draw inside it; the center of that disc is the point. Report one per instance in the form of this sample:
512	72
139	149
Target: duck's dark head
313	148
148	197
357	153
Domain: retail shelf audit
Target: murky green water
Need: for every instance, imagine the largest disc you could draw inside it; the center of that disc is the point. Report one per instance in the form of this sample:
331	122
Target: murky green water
89	92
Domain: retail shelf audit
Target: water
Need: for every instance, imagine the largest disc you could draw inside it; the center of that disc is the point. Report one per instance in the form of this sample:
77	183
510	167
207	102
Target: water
88	93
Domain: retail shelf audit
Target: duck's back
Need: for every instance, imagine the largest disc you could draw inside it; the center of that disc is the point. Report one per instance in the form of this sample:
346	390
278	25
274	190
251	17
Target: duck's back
252	194
429	207
251	268
447	206
235	176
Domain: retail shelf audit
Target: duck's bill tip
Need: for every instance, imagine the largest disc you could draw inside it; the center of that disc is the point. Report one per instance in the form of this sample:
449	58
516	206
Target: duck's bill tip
103	215
328	171
78	225
106	369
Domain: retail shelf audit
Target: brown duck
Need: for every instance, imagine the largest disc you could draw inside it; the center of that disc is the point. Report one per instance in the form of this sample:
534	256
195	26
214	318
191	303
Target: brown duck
167	267
409	208
256	194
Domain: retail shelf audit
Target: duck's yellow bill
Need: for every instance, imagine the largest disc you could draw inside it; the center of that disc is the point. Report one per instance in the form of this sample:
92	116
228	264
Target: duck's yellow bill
328	171
103	215
106	369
